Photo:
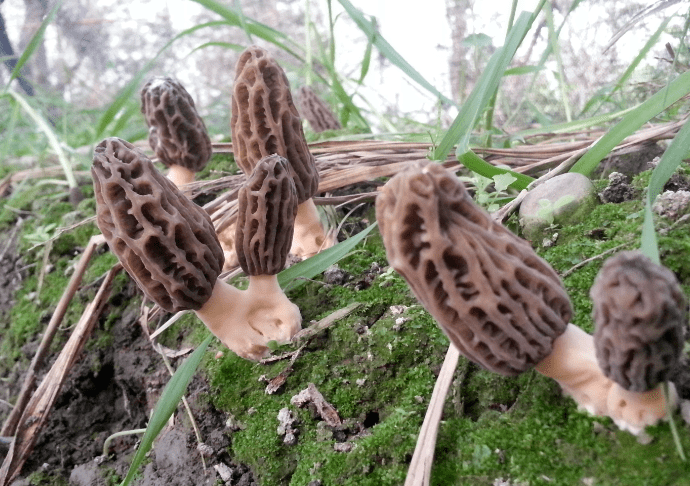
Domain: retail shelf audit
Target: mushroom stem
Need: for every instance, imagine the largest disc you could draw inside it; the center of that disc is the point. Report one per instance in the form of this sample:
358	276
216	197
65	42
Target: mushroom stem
573	364
309	237
271	312
180	176
246	320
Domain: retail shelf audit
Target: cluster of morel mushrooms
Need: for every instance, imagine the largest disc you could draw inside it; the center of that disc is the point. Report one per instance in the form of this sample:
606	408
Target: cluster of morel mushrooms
499	303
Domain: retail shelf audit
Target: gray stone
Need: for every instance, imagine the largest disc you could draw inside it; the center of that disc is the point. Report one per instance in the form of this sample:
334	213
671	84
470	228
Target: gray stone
566	198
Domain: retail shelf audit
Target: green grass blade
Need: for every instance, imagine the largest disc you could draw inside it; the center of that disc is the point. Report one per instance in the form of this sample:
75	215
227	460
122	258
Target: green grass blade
133	86
366	61
651	42
50	135
460	131
166	406
34	42
574	125
226	45
253	27
641	114
387	50
555	48
309	268
674	154
476	164
243	21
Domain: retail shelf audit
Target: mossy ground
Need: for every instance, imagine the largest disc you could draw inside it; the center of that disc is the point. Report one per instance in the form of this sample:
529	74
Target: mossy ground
521	430
378	370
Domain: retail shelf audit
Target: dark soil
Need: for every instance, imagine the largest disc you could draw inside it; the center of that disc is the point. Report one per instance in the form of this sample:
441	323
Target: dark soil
113	388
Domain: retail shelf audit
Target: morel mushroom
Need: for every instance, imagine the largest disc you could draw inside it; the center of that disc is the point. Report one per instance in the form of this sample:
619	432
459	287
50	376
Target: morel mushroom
169	247
264	122
316	111
177	133
266	215
499	303
639	311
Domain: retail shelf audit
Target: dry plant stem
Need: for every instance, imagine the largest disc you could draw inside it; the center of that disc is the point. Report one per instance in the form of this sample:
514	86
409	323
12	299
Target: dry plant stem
180	176
246	320
419	472
309	237
573	364
10	426
38	409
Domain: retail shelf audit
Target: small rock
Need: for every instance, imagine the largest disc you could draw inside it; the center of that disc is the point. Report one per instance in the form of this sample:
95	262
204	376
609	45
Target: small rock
566	198
224	471
398	309
204	449
685	411
343	446
361	381
285	428
643	438
334	275
672	205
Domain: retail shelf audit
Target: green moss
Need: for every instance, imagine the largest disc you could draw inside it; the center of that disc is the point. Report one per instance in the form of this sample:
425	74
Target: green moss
41	478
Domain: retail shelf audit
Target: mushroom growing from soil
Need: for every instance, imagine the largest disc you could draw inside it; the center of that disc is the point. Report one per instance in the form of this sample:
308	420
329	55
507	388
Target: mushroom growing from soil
177	133
639	312
500	304
265	122
169	247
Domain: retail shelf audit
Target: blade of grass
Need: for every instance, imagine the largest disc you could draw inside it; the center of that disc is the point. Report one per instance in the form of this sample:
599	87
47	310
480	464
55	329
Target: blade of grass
50	135
673	156
545	55
253	27
633	65
34	42
574	125
641	114
369	28
166	406
555	48
461	129
226	45
366	61
476	164
315	265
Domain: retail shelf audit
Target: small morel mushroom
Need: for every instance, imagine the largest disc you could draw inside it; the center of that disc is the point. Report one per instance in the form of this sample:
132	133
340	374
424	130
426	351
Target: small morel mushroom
500	304
169	247
316	111
264	122
266	215
639	311
177	133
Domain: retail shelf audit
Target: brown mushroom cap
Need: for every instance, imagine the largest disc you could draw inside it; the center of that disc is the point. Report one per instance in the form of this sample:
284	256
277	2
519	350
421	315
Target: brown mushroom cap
165	242
177	133
639	311
265	121
316	111
498	302
267	205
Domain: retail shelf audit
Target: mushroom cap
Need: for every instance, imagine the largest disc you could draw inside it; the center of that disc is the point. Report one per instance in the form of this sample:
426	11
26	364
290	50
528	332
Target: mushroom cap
267	205
166	243
639	311
316	111
265	121
177	133
498	302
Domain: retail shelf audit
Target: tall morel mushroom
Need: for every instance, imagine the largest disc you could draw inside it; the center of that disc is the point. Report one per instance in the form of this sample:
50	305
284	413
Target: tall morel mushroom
264	122
169	247
316	111
500	304
177	133
639	312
